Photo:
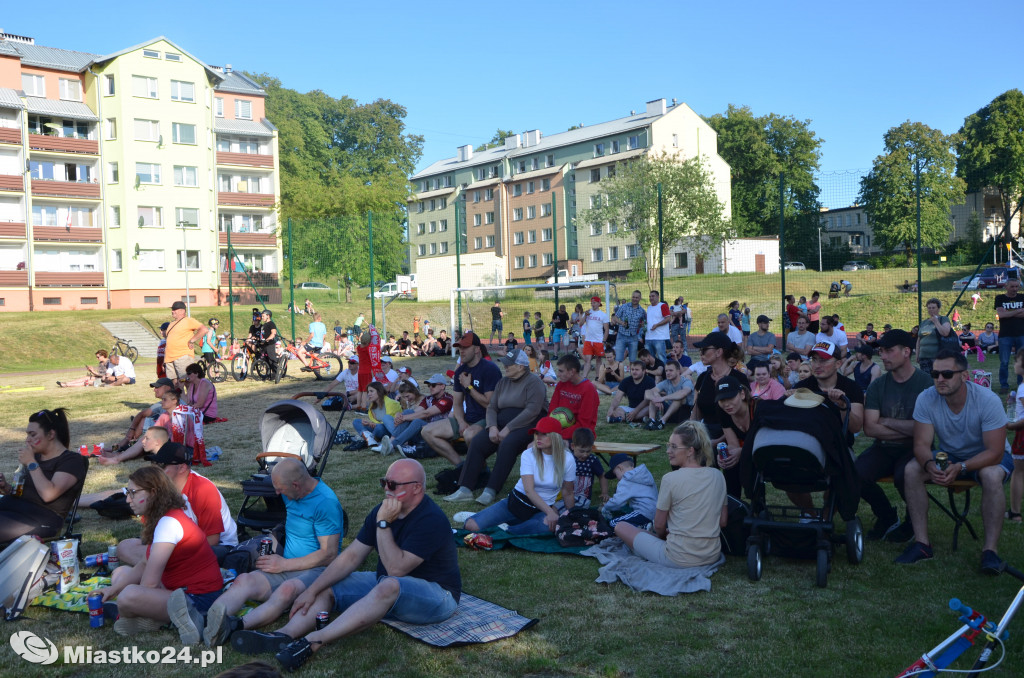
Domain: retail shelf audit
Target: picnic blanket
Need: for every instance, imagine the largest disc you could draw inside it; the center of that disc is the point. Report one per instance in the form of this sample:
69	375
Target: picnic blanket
538	543
75	600
621	564
475	621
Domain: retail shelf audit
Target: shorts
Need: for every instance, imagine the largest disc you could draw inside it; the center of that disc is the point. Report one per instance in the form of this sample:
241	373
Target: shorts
176	369
482	424
1017	449
364	380
652	549
203	601
131	381
310	348
419	601
210	357
594	348
1006	463
496	326
307	577
556	335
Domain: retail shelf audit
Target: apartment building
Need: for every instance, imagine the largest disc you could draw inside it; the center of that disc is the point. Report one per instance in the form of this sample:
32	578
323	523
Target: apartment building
521	199
121	176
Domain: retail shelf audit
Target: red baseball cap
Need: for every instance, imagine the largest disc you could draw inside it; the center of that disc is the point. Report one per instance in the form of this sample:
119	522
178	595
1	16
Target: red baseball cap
547	425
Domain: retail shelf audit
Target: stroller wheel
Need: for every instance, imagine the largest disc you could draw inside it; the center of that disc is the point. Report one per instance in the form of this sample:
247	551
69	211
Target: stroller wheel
854	542
754	563
821	578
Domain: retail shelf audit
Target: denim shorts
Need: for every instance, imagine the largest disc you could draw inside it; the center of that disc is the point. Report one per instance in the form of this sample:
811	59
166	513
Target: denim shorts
1005	463
203	601
419	601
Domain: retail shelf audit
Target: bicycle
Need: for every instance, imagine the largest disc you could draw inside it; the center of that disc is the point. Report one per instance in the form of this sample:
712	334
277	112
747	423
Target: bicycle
124	348
216	371
241	362
949	650
324	366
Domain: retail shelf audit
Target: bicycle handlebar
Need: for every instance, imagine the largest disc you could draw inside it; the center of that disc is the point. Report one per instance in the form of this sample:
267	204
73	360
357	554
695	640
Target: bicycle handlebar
957	606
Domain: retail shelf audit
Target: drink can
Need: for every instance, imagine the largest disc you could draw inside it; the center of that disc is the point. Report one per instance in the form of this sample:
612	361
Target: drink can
321	620
266	546
84	450
95	610
723	451
941	460
112	560
96	560
97	449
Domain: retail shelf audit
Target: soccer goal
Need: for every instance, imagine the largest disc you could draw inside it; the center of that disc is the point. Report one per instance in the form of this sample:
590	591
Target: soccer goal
483	310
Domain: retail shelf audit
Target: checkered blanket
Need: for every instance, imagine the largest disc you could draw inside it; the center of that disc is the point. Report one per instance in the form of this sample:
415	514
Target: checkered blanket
75	600
474	621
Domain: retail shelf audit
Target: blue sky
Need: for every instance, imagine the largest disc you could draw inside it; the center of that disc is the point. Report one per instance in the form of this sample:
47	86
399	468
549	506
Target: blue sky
464	69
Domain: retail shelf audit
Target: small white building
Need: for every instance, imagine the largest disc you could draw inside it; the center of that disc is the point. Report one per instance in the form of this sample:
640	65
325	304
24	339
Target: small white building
436	276
743	255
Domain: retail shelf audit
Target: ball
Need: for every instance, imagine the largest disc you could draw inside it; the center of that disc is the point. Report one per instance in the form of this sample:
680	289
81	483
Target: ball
564	416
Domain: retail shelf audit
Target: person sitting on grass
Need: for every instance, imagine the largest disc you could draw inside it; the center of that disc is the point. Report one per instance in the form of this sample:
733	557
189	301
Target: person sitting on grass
430	346
350	379
380	417
179	561
545	368
93	376
122	372
692	506
763	386
588	467
671	399
201	394
611	374
987	340
636	493
653	365
545	470
511	343
634	388
419	411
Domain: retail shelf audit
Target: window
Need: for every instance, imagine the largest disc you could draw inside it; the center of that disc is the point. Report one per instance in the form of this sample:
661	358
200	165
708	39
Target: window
613	253
595	229
597	254
681	260
531	237
152	300
171	56
433	248
115	260
70	90
533	261
433	205
151	54
476	219
550	160
598	150
147	172
492	171
489	241
218	107
422	250
186	216
548	258
34	85
595	175
44	215
615	147
545	209
489	194
147	130
633	142
529	187
675	141
520	262
111	129
443	203
183	134
144	87
545	235
480	173
115	216
489	218
517	238
419	207
41	170
476	196
632	251
151	217
595	201
243	109
610	171
112	173
433	227
442	225
535	164
478	243
183	91
545	184
51	301
186	176
531	211
443	248
522	165
517	190
188	260
85	301
447	181
517	214
151	260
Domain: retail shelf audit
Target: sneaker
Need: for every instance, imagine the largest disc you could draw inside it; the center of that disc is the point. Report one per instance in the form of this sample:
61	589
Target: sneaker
185	617
660	425
406	450
356	445
130	626
882	527
220	625
461	494
368	437
385	446
651	426
486	497
258	642
614	420
463	516
900	534
294	654
991	563
915	552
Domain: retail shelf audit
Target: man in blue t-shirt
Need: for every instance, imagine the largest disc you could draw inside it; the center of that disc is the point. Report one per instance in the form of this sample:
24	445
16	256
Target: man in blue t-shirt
315	340
417	580
314	523
474	382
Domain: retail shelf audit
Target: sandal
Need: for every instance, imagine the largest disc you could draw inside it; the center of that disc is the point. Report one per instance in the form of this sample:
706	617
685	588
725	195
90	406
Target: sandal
1014	517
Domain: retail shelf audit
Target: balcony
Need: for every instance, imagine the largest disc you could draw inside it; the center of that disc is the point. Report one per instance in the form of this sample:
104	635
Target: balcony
12	229
10	135
244	199
268	239
242	280
45	142
12	182
65	189
245	159
66	234
68	279
13	278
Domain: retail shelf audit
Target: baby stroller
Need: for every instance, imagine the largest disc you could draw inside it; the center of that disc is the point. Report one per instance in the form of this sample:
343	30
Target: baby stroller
833	290
795	445
289	428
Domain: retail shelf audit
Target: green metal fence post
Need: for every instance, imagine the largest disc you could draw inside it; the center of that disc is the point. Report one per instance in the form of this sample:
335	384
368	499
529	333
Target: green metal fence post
291	277
554	241
782	250
917	182
373	291
231	296
661	248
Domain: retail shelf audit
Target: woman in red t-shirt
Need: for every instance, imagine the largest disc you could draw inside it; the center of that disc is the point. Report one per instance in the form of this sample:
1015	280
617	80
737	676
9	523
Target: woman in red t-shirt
178	556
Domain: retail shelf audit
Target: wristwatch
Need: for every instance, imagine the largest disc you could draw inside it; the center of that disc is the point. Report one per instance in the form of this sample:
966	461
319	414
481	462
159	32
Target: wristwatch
32	466
383	524
963	467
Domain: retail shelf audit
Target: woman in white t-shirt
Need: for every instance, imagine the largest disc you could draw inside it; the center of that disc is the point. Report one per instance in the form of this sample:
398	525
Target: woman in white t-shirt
545	469
691	508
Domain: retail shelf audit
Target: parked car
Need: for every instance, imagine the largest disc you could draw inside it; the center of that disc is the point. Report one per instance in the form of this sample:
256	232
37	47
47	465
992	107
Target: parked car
795	266
312	286
857	266
993	277
389	290
966	282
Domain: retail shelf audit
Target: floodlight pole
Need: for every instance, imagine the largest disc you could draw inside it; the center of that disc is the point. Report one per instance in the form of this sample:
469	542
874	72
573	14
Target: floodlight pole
184	243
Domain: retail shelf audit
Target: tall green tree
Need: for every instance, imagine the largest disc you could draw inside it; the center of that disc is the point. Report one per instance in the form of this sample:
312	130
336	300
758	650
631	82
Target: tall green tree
497	140
690	207
888	191
991	153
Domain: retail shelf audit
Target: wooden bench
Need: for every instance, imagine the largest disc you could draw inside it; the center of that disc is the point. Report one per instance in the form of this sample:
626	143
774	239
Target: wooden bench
957	515
632	449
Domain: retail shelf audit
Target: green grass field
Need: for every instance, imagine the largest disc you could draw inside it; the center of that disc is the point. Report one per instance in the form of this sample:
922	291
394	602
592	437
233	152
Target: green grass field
872	620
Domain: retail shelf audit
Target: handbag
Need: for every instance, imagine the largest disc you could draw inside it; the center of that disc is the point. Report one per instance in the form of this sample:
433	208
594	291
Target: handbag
520	505
950	341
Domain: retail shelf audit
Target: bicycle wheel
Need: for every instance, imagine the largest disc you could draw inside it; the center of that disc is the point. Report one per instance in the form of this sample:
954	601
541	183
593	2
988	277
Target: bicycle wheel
280	369
332	369
218	372
261	368
131	353
239	367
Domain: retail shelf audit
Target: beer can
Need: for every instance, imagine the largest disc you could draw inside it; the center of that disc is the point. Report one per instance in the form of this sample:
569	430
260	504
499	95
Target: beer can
723	451
942	460
266	546
95	610
112	560
97	449
96	560
84	450
321	620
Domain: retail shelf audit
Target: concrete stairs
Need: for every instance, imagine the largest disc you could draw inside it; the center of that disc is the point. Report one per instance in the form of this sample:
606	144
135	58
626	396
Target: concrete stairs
140	336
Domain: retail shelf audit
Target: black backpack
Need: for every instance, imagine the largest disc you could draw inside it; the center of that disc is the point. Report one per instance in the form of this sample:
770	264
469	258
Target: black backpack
448	479
734	534
114	507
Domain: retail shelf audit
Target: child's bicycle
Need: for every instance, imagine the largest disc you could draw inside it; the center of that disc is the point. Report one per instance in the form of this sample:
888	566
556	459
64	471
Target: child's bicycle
124	347
324	366
948	651
241	362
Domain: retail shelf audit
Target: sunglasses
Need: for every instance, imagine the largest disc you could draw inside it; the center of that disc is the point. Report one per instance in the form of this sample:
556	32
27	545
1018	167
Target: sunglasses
131	493
945	374
388	484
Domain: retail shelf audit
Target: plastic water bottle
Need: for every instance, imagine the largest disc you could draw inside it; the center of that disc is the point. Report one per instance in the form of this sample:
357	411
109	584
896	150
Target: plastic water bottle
1011	406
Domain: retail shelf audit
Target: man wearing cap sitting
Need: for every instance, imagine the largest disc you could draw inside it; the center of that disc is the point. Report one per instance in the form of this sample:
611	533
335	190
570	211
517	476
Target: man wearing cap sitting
182	336
409	423
350	378
474	383
595	336
762	342
970	424
889	419
830	333
826	380
143	420
518	401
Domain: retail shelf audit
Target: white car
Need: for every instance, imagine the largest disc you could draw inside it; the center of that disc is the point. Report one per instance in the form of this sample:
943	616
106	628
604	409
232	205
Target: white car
963	283
795	266
312	286
389	290
857	266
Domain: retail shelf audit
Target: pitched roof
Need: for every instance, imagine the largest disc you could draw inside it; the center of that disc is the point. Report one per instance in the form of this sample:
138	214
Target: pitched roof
49	57
248	127
236	82
107	57
9	98
488	157
67	109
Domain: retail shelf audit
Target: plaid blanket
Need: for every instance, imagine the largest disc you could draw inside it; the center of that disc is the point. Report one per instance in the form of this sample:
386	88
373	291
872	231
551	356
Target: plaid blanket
474	621
75	600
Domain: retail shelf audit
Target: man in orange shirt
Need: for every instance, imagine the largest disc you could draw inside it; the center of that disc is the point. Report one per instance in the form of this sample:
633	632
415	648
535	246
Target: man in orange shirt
182	335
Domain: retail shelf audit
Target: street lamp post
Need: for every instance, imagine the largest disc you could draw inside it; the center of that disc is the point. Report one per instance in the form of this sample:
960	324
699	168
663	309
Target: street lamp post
819	249
184	254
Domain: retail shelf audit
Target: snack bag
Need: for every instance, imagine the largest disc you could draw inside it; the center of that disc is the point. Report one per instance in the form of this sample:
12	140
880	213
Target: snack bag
67	557
477	541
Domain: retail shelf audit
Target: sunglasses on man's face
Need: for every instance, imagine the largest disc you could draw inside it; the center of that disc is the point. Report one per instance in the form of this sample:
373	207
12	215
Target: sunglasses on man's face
945	374
391	485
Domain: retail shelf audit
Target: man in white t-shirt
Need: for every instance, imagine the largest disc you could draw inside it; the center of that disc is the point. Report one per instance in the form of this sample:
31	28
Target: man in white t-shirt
392	376
121	372
735	336
829	332
658	318
595	335
350	378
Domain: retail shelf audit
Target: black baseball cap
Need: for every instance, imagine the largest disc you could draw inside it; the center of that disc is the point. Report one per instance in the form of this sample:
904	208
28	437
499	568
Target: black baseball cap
716	340
897	337
178	306
728	387
171	453
162	381
763	319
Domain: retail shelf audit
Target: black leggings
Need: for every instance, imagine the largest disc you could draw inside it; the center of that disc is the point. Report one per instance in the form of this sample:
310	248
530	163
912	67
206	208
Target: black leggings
481	448
19	517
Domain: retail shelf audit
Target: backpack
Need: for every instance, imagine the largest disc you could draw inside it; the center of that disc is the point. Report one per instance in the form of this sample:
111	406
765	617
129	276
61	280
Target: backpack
22	564
115	507
582	527
734	534
242	558
448	479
